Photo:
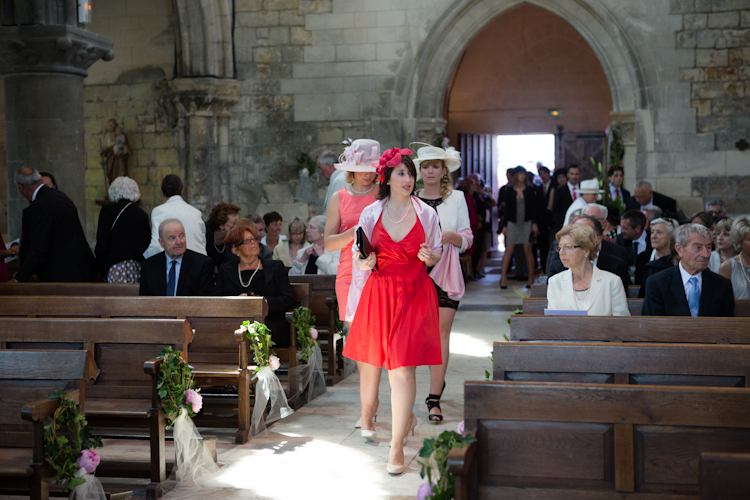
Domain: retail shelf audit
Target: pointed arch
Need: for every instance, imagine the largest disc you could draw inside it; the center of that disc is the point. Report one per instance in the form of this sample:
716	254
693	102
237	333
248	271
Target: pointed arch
205	38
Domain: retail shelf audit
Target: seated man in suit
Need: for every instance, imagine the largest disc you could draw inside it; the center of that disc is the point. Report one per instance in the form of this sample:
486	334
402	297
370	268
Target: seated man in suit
53	244
644	195
188	274
604	260
633	237
690	288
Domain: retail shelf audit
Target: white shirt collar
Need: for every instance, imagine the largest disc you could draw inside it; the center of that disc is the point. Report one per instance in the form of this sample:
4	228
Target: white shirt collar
170	259
33	196
571	187
686	276
641	243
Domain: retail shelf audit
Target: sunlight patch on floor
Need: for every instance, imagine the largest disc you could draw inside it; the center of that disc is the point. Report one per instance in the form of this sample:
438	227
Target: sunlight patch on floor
462	343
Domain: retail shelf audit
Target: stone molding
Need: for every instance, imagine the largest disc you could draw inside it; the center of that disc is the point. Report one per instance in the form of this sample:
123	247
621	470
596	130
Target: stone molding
56	49
204	96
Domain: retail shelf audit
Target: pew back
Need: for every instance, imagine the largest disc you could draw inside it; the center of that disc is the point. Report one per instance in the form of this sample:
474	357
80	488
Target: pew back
71	289
725	476
537	306
540	292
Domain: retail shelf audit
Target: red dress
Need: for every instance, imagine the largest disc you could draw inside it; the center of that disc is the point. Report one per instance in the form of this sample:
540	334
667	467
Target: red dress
396	323
350	208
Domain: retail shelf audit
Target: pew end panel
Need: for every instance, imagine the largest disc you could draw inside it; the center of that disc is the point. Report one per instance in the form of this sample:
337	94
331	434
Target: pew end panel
725	476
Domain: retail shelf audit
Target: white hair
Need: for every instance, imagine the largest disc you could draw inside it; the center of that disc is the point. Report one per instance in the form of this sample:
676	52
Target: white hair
671	224
320	222
25	178
124	187
655	211
740	229
168	221
603	212
682	234
644	185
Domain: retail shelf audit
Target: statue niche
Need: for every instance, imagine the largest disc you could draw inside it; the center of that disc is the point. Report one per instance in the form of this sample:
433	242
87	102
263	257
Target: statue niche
115	151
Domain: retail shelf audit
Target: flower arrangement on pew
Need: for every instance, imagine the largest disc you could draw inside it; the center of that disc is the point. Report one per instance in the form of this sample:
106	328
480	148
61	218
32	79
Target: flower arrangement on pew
307	336
439	485
176	387
311	375
68	448
268	388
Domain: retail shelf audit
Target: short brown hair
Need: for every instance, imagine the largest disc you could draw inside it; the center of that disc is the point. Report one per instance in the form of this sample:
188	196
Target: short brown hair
582	235
235	237
271	217
385	190
220	213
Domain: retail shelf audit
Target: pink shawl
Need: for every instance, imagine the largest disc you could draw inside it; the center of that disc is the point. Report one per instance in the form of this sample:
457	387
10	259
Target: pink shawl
367	220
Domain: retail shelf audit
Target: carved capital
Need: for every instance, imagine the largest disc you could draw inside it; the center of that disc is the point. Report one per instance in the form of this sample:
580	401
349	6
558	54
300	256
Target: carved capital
204	96
54	48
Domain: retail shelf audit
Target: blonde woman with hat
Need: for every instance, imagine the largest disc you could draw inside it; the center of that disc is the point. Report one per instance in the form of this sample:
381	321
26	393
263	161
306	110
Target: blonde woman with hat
434	166
588	192
342	217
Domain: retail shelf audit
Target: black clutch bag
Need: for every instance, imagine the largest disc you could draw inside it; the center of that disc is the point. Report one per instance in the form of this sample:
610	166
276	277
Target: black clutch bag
364	245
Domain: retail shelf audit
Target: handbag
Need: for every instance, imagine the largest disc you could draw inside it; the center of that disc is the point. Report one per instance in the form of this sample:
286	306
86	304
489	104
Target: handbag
364	245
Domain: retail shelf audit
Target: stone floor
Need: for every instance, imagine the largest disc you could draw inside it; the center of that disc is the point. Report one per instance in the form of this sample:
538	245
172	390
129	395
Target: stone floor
317	453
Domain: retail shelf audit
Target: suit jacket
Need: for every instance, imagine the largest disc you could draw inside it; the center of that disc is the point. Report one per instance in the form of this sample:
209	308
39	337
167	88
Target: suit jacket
667	204
563	200
177	208
607	262
196	275
606	289
126	240
628	246
53	244
665	295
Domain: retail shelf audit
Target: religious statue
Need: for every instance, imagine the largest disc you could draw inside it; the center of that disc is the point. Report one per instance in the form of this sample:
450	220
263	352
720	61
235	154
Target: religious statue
115	151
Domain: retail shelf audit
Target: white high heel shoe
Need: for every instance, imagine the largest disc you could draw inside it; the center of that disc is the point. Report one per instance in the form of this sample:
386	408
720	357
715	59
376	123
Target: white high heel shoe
358	425
395	470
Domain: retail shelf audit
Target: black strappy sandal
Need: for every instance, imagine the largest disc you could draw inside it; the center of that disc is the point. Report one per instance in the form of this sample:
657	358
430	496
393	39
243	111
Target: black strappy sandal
433	401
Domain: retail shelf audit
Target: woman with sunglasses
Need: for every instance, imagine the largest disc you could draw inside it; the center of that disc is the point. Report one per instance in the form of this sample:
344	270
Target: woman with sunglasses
253	276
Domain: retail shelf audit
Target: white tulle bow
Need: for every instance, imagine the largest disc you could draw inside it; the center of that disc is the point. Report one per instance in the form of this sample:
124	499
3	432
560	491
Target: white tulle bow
268	389
90	490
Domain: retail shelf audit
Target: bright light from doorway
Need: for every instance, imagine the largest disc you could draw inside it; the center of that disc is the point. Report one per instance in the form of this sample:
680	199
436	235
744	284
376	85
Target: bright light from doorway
524	150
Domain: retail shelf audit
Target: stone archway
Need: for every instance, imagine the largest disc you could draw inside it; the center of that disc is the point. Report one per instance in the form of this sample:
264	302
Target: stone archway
466	18
204	45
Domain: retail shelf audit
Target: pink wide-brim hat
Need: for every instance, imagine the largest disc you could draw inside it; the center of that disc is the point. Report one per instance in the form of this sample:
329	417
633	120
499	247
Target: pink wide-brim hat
359	156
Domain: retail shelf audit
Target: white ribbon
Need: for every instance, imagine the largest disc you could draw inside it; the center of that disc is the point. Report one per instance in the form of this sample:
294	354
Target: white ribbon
311	376
90	490
193	462
352	155
268	389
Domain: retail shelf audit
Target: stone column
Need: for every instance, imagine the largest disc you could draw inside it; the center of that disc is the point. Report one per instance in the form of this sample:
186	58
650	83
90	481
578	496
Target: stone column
204	138
626	122
43	68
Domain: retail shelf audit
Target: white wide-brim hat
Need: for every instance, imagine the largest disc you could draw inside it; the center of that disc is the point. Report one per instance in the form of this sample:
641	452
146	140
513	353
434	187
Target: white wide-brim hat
359	156
449	156
590	186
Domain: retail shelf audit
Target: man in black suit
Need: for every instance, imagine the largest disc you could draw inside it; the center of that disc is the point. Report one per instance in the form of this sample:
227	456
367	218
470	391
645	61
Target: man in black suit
644	195
605	260
689	288
189	273
545	216
615	178
564	196
633	236
53	244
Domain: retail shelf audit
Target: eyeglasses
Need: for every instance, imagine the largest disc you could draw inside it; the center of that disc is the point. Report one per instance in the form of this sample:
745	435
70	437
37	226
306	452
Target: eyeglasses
714	212
251	240
261	229
296	233
566	249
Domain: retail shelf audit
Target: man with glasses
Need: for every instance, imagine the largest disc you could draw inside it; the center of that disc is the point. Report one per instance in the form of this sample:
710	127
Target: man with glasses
716	208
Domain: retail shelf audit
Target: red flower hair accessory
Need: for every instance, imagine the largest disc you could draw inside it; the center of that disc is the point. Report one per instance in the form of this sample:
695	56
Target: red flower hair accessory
390	158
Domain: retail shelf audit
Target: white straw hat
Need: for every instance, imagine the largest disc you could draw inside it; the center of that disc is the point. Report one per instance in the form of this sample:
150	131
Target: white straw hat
449	156
359	156
590	186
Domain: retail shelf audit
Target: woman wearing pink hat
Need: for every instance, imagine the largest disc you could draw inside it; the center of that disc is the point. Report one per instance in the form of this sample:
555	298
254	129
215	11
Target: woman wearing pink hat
344	209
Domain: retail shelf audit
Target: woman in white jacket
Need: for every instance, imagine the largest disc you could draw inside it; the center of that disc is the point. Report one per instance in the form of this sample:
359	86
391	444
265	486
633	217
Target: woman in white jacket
583	286
434	166
315	259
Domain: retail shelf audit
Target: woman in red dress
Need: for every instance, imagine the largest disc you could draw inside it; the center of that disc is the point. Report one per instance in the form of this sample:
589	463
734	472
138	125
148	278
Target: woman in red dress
395	308
344	209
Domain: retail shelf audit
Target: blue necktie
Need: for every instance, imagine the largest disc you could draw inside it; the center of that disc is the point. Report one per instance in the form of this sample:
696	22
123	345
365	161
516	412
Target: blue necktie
694	297
172	279
635	252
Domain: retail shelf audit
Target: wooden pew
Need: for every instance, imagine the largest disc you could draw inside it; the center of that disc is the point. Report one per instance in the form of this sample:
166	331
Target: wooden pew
27	378
623	363
322	288
725	476
123	396
594	441
631	329
70	289
537	306
540	292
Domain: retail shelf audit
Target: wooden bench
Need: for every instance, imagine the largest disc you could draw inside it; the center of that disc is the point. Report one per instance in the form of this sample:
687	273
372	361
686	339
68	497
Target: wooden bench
70	289
123	397
537	306
26	379
540	292
725	476
631	329
594	441
322	288
623	363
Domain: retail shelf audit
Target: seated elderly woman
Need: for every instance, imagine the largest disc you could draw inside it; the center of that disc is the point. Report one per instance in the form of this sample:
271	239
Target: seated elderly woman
722	238
737	268
253	276
315	259
661	256
583	286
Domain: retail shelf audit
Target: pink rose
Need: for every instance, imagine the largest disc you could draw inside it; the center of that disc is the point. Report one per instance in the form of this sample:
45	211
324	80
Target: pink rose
274	363
424	491
194	399
88	461
460	428
305	171
314	333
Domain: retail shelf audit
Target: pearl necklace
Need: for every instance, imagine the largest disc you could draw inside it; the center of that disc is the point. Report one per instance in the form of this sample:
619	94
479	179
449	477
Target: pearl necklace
239	274
402	218
362	192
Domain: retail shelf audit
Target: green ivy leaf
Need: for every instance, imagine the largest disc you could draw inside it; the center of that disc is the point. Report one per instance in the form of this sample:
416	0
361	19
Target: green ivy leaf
76	481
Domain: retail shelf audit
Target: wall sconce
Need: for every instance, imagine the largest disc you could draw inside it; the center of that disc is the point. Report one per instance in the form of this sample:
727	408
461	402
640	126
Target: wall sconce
555	113
84	11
